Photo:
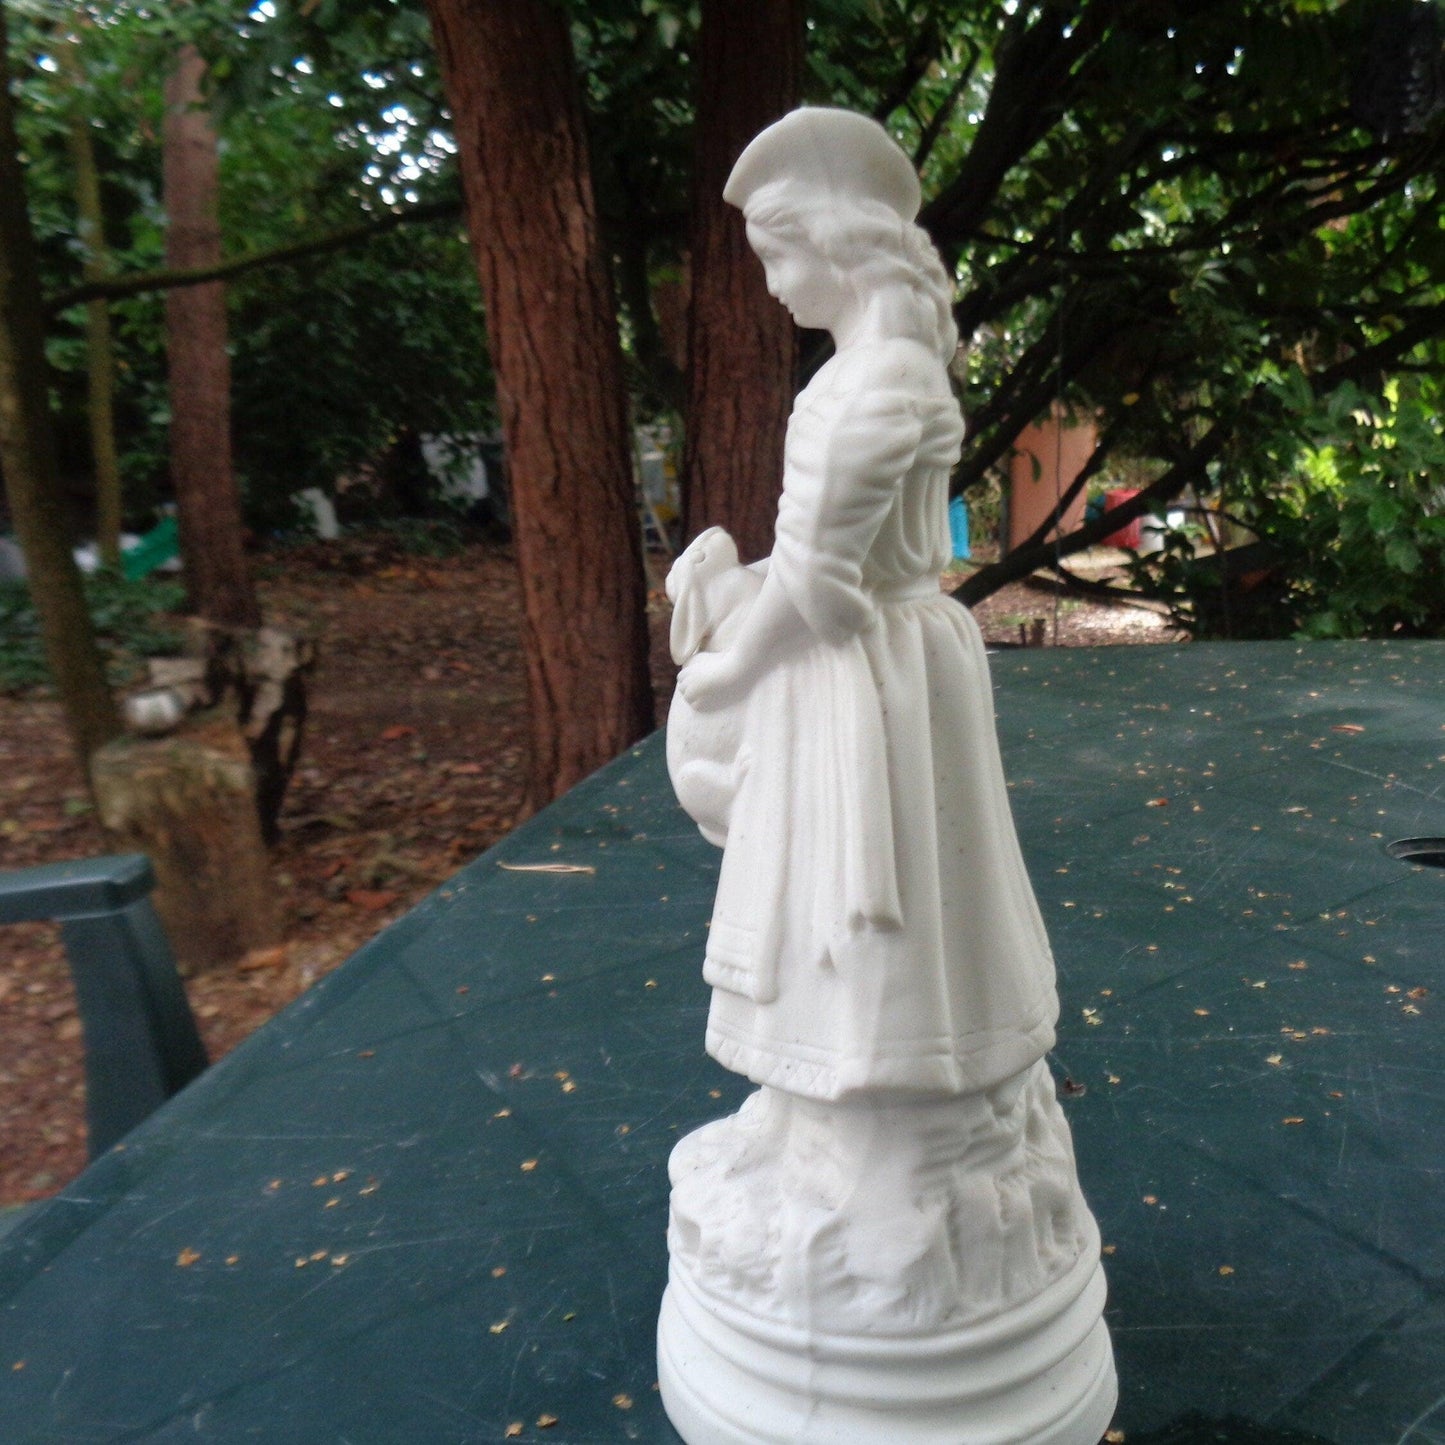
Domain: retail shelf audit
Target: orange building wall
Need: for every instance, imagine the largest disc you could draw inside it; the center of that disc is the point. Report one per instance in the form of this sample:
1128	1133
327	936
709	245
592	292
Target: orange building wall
1047	457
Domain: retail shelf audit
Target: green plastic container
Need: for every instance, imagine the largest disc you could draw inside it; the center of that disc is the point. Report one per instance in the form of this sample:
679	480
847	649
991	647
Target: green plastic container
160	545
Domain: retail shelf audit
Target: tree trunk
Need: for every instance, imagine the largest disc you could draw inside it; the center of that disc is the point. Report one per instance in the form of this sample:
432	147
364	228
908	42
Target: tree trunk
508	70
99	354
742	347
208	505
189	803
27	457
258	678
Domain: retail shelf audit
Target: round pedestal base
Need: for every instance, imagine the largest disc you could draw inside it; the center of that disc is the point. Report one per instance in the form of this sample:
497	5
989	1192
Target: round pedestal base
1039	1374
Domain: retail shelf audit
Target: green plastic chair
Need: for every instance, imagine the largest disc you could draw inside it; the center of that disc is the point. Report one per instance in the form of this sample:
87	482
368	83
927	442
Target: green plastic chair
141	1041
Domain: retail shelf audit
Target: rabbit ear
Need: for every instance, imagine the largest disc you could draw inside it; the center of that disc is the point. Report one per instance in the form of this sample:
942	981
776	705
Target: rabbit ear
680	574
673	583
689	624
706	551
708	555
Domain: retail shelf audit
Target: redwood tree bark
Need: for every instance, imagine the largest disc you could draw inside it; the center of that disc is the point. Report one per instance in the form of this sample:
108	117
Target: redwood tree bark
551	321
27	457
208	504
742	347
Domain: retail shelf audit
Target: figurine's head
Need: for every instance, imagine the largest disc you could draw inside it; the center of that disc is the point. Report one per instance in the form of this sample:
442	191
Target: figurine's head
818	148
829	200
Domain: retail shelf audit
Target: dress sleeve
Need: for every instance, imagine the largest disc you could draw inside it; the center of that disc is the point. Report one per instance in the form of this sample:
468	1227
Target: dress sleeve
845	458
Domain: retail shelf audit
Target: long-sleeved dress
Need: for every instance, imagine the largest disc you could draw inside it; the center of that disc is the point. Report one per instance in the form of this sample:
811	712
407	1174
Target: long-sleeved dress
874	927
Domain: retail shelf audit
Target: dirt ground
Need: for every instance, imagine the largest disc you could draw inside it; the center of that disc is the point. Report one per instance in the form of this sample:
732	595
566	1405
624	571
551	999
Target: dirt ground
413	765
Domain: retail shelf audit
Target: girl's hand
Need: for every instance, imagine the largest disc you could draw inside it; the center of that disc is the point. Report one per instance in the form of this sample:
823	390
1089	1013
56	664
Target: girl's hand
712	680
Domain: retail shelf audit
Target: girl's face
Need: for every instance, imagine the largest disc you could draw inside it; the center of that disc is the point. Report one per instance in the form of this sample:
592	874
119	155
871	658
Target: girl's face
800	278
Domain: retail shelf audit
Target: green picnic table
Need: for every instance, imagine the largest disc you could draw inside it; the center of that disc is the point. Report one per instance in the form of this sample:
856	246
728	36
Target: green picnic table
428	1202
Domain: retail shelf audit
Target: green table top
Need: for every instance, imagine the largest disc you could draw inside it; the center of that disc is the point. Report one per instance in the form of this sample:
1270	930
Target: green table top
428	1202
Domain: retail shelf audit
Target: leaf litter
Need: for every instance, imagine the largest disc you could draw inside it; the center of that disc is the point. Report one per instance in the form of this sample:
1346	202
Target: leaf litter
362	837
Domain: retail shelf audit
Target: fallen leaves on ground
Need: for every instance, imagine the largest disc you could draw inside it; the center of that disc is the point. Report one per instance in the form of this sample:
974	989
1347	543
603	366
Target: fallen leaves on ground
264	958
359	840
372	900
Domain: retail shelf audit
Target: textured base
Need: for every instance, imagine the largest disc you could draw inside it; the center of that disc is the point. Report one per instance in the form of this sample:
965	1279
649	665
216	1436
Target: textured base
1039	1374
881	1219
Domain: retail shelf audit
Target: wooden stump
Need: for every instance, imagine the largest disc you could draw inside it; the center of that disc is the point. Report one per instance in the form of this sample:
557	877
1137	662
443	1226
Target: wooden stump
259	676
188	802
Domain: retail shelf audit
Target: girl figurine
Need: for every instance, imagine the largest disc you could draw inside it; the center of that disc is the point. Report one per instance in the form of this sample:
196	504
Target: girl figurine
874	926
887	1241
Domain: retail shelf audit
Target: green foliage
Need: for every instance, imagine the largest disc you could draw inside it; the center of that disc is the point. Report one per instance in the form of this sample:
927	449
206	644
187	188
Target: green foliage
1175	219
331	364
22	663
1360	519
326	119
1347	502
132	621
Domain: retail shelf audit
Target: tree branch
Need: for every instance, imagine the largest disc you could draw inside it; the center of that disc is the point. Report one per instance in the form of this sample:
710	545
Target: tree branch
1425	325
916	64
1023	560
1038	70
1072	582
140	282
929	136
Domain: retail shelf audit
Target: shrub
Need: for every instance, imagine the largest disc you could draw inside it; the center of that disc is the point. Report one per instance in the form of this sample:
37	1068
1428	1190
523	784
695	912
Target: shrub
132	620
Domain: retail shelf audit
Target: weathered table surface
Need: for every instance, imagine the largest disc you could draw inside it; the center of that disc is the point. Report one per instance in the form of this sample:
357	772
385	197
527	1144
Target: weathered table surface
427	1203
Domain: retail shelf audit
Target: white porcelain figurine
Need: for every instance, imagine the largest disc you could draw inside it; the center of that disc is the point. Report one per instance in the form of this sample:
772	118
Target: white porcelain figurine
887	1243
